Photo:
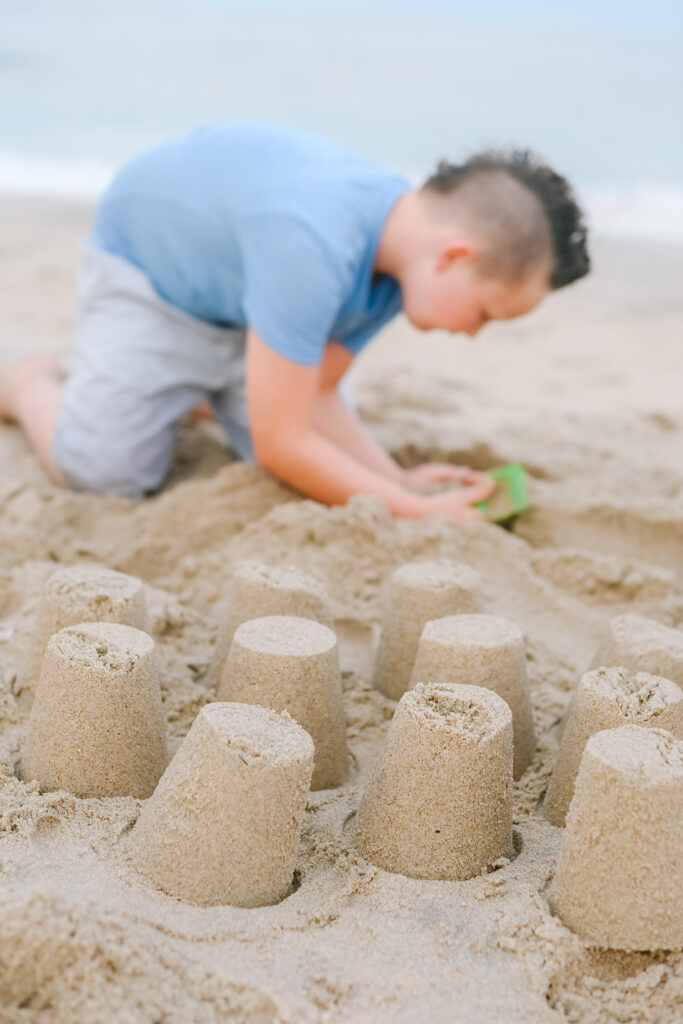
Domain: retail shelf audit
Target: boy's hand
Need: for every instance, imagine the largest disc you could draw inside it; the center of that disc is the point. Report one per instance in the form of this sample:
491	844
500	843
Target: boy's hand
440	472
458	504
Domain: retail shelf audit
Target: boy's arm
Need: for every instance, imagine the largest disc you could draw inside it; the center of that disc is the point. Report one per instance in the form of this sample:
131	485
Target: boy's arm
281	398
333	419
340	424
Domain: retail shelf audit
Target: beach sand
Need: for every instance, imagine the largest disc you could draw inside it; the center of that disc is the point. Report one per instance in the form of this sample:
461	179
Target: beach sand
586	392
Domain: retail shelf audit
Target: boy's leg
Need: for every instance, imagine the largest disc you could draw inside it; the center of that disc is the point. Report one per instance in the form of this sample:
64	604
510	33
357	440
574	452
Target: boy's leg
139	366
31	395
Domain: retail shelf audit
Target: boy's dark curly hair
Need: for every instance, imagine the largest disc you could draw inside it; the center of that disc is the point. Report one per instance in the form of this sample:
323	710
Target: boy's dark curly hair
565	219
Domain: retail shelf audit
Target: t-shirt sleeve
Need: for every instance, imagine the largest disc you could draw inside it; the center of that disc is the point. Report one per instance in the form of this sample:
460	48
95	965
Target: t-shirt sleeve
293	291
358	339
386	305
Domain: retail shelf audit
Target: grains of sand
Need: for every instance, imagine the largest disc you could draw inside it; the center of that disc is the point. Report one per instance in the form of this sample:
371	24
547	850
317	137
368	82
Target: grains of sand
438	801
291	664
222	826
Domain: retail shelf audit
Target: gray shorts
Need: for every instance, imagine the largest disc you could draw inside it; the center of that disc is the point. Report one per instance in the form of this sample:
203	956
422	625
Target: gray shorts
139	365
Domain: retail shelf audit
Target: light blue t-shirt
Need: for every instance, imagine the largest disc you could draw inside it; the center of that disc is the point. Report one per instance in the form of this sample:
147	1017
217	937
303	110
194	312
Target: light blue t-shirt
253	223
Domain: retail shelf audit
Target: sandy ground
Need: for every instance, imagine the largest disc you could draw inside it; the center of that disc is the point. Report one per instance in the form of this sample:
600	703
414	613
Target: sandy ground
585	391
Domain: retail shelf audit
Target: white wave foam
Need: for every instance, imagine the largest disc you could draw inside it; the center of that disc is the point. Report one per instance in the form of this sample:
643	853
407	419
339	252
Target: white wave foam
82	179
647	212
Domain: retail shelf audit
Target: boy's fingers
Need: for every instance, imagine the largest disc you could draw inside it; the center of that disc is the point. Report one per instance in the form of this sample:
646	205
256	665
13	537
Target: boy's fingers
470	476
478	492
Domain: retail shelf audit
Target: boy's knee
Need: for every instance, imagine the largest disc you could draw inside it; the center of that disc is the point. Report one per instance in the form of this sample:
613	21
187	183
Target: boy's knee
99	466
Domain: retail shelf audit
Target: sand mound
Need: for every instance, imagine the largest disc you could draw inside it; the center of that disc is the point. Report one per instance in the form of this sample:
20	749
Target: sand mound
605	699
257	590
481	650
291	664
643	645
223	824
438	802
82	594
96	726
416	593
619	880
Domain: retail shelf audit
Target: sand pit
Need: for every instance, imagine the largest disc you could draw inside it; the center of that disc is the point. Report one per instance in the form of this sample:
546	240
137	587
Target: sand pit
223	824
257	590
619	880
291	664
438	803
82	594
481	650
605	699
642	645
96	726
416	593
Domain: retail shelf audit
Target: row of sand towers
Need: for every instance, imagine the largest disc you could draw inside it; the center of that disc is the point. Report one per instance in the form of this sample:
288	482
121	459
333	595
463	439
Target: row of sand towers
223	818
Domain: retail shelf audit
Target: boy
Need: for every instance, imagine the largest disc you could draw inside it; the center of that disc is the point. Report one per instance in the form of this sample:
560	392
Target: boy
248	263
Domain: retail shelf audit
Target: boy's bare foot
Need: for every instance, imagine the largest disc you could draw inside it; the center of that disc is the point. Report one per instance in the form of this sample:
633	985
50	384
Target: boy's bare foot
201	413
24	372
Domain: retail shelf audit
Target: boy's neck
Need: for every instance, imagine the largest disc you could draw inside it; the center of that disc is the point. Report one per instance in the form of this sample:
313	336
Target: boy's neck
399	236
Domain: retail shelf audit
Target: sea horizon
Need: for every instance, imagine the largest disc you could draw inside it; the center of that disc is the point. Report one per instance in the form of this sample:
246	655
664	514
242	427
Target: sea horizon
596	93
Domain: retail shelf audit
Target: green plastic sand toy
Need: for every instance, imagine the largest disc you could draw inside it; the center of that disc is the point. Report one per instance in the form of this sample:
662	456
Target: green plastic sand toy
510	497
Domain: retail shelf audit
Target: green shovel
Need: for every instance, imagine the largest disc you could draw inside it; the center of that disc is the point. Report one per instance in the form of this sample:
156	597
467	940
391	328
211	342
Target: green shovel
510	497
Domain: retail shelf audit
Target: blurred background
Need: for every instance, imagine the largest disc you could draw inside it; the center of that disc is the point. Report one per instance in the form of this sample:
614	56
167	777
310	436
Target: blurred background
596	88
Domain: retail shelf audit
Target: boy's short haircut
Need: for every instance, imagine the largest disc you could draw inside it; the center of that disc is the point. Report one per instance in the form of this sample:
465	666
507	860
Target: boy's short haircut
524	210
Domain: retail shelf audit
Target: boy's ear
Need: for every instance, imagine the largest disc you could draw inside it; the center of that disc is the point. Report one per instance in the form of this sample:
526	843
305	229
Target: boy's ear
457	248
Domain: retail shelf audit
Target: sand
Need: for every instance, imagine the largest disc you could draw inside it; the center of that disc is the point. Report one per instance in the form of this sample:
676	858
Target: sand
605	699
642	645
80	594
415	594
586	391
291	664
256	590
481	650
223	825
97	726
438	803
619	880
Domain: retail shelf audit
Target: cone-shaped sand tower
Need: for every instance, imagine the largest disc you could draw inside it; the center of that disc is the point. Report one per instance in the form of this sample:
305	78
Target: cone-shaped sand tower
619	880
97	727
605	699
258	590
223	825
291	664
642	645
416	593
481	650
438	802
82	594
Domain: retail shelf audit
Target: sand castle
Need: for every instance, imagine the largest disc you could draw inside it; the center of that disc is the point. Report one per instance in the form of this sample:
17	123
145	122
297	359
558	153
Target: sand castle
642	645
416	593
605	699
438	802
291	664
481	650
97	727
619	880
82	594
223	825
258	590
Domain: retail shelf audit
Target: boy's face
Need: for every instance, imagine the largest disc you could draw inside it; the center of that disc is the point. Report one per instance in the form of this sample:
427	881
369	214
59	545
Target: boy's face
448	293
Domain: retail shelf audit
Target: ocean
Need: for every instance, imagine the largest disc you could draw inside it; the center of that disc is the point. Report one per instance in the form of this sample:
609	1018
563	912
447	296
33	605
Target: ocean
595	89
